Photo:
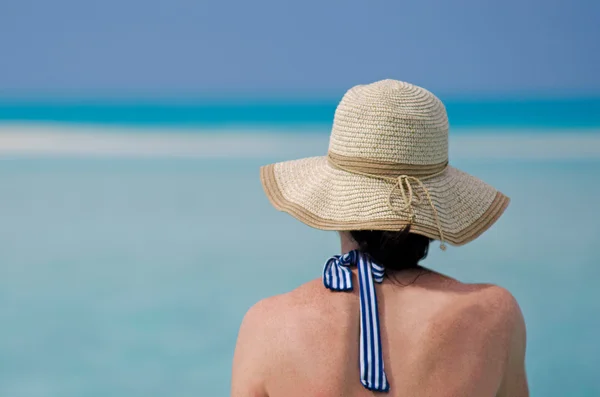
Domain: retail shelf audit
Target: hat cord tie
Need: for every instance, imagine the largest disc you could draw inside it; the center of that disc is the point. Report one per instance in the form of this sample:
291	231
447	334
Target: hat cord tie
403	184
408	193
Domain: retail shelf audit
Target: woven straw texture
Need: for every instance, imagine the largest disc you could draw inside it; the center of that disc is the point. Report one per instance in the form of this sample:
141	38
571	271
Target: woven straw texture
383	131
391	121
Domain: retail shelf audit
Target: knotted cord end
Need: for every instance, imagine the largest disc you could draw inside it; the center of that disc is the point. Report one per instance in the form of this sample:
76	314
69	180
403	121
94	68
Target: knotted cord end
410	195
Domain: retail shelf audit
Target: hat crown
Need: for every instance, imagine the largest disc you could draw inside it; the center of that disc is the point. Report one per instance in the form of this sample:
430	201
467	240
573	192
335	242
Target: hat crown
391	121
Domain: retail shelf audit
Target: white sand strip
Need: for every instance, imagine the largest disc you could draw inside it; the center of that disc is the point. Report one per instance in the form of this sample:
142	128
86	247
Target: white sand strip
69	141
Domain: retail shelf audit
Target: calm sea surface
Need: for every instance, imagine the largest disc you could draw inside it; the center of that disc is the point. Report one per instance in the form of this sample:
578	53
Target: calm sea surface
129	277
490	112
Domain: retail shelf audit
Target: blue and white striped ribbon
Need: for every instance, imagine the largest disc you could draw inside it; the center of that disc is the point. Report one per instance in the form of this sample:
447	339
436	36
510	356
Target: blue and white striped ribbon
337	276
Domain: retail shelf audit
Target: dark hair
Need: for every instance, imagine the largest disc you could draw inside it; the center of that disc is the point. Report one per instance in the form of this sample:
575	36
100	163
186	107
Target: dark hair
393	250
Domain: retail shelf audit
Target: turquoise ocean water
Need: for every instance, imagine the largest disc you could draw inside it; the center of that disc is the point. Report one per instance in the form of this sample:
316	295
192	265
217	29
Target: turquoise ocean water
513	112
129	276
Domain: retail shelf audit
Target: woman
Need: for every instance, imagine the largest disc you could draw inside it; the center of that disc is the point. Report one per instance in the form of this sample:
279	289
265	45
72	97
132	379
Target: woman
378	322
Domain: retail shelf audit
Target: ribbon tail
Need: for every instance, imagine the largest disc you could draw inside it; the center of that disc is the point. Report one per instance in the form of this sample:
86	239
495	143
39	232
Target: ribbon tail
372	369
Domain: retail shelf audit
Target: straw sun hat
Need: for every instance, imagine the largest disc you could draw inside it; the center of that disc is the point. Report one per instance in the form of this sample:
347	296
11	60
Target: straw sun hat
387	167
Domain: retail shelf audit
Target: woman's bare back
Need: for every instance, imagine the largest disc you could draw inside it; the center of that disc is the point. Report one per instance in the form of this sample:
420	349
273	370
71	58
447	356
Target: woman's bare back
440	338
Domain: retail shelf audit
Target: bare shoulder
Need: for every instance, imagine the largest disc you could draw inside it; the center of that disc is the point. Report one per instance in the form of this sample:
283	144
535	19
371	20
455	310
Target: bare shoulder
468	344
499	302
262	317
485	309
271	325
503	338
497	307
271	316
262	335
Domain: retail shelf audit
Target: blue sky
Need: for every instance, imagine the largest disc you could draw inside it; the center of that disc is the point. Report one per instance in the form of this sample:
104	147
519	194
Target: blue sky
181	47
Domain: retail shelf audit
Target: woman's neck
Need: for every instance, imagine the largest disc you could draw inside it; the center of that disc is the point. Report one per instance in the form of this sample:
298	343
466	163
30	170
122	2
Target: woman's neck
347	242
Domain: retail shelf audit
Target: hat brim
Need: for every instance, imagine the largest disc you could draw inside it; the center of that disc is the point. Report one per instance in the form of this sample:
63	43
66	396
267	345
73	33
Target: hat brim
327	198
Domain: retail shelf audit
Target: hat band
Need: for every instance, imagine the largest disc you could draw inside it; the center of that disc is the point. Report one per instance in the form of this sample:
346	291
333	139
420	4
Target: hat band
401	180
383	168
